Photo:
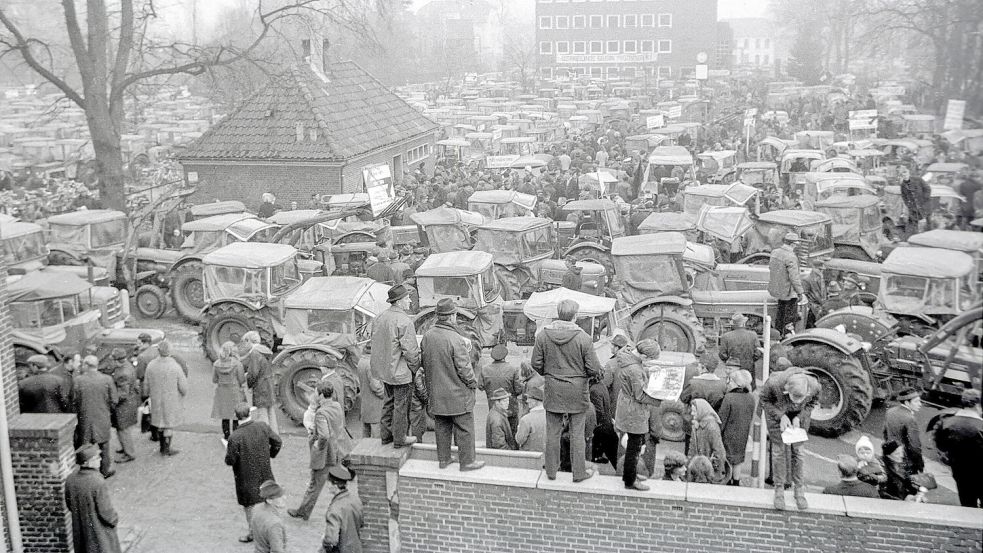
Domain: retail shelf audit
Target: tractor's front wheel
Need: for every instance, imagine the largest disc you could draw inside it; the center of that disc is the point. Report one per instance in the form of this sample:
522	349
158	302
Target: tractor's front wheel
224	322
188	291
303	366
674	327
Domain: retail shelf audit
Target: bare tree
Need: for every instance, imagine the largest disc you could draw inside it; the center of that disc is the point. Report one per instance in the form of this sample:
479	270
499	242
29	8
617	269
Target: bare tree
519	57
116	48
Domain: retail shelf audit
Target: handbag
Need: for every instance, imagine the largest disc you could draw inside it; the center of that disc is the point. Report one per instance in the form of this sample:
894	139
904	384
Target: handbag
144	411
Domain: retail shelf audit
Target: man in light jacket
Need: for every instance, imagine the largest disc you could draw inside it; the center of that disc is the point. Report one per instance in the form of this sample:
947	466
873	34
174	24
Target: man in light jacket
395	359
564	355
784	282
167	387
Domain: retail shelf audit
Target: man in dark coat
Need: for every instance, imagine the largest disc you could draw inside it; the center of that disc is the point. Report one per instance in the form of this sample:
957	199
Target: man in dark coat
93	399
445	358
87	497
740	343
323	443
849	485
42	391
394	360
572	280
125	412
564	355
259	378
960	438
900	426
498	431
502	374
788	398
344	521
785	282
251	446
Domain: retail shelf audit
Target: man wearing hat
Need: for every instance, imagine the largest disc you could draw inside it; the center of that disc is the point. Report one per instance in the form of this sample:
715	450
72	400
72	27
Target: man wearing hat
419	254
400	267
266	526
531	434
126	411
344	516
250	448
900	426
572	279
93	399
788	398
785	282
448	372
498	430
167	385
394	360
259	377
87	497
502	374
380	270
960	438
41	391
741	344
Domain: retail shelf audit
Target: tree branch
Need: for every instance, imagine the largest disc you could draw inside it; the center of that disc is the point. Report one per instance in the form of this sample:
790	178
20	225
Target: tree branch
23	46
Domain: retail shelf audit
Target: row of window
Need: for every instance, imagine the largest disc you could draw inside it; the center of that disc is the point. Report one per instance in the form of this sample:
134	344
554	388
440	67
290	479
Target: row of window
663	46
418	154
758	43
758	59
663	71
578	1
620	21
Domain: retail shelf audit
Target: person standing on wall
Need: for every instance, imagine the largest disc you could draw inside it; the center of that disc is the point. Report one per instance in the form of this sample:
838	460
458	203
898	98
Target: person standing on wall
395	359
785	282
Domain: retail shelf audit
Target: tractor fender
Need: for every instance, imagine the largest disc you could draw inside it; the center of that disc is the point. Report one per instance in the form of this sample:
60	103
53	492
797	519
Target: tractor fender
588	246
674	300
184	261
343	239
832	338
237	301
37	346
284	351
860	320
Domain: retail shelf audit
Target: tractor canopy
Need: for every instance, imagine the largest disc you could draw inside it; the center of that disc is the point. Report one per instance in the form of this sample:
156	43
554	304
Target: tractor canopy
927	281
516	240
249	269
88	229
446	228
856	220
342	307
495	204
813	227
725	223
671	155
668	221
22	243
541	306
835	165
465	276
221	230
720	195
965	241
650	265
217	208
46	307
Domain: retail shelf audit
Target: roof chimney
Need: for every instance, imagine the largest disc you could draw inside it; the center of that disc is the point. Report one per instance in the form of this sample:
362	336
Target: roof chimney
305	49
325	44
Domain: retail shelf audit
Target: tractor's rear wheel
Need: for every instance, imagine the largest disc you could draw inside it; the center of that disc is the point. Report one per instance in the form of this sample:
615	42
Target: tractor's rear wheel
150	301
188	291
673	419
594	256
303	366
224	321
762	258
508	283
846	394
675	327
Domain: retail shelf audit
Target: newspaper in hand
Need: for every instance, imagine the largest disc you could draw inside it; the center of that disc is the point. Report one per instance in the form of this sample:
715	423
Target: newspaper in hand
665	382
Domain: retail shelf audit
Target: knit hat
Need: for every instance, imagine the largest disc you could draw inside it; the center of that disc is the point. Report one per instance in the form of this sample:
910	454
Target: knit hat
499	352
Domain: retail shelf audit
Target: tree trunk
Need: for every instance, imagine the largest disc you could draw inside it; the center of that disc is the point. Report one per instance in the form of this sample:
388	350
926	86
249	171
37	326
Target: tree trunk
109	155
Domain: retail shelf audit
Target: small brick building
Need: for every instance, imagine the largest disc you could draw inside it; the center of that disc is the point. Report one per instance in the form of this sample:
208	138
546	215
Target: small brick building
309	131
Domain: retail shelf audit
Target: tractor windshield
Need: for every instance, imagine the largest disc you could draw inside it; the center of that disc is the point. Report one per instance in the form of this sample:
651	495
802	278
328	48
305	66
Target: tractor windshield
504	245
284	277
871	218
49	312
229	282
108	233
24	247
918	295
68	234
820	236
539	242
656	273
489	285
324	320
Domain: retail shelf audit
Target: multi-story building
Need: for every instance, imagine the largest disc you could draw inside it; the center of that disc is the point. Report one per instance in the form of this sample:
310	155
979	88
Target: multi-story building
625	38
757	42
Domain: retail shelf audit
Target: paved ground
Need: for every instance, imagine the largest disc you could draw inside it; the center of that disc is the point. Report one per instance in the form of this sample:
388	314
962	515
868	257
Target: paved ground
187	503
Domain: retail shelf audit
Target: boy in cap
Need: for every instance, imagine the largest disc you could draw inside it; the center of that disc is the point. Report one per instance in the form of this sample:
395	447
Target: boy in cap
266	526
498	430
900	426
500	374
344	516
87	497
788	398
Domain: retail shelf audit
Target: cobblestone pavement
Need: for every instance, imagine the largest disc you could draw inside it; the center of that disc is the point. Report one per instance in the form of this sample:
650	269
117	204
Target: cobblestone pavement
187	503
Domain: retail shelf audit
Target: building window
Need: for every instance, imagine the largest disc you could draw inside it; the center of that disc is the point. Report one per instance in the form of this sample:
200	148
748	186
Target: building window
757	44
628	72
747	43
545	47
596	47
665	20
612	72
665	46
631	21
665	71
562	22
579	22
766	59
648	20
545	22
546	72
563	47
579	70
631	47
767	43
614	21
613	47
596	21
647	46
595	71
418	154
579	47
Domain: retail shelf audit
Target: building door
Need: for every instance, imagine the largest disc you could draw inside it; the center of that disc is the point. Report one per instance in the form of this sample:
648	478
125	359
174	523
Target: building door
397	168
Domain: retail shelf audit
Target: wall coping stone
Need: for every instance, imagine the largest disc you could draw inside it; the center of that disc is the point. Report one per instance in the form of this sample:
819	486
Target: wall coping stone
761	498
489	474
613	485
532	460
371	452
907	511
38	425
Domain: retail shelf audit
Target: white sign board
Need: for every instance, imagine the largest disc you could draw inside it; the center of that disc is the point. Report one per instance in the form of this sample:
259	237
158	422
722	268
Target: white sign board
701	72
675	112
655	121
500	162
749	116
378	182
646	57
862	119
954	113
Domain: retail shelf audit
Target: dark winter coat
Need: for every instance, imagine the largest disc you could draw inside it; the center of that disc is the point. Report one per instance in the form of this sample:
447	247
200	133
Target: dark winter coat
344	522
776	403
43	393
900	426
93	517
742	344
395	351
706	441
736	416
960	437
126	413
93	399
504	375
706	386
498	431
853	488
259	377
898	484
446	362
249	451
564	355
229	378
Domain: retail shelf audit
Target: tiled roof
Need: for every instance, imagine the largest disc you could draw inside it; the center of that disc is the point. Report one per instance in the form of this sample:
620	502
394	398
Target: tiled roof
345	115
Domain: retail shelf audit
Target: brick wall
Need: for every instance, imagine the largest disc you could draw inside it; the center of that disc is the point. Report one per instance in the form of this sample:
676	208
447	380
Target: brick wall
352	173
7	370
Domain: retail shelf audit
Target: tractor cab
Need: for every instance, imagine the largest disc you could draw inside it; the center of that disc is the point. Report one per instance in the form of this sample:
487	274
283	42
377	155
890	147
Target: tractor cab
23	246
594	220
834	165
762	175
517	240
970	243
944	173
304	239
816	230
597	316
446	229
815	187
795	161
895	214
668	167
210	233
928	283
94	235
720	195
670	222
857	227
467	277
717	167
340	305
495	204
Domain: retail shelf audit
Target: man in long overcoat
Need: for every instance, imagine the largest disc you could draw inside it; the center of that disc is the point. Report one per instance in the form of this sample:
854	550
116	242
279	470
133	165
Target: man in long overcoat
740	343
251	446
395	359
93	399
167	387
125	413
87	498
449	375
259	377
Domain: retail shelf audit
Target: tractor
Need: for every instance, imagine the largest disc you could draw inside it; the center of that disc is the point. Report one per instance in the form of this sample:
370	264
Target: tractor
88	236
596	224
670	221
24	251
857	227
965	241
496	204
719	195
326	323
446	229
467	277
524	249
946	203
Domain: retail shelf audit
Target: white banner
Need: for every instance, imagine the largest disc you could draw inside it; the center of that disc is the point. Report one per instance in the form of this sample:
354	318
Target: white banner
500	162
378	182
675	112
954	112
606	58
862	119
701	73
655	121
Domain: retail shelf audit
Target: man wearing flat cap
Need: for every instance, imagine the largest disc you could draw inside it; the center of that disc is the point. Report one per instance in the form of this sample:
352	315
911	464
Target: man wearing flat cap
126	411
740	343
785	282
344	517
502	374
498	431
394	360
266	526
788	398
449	376
900	426
42	391
94	519
93	399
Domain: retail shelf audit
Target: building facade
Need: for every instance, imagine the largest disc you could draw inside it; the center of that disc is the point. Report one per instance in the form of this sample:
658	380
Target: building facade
624	39
757	43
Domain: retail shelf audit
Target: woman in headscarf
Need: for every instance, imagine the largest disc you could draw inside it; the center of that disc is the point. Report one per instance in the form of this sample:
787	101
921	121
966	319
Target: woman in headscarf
736	416
706	438
870	469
